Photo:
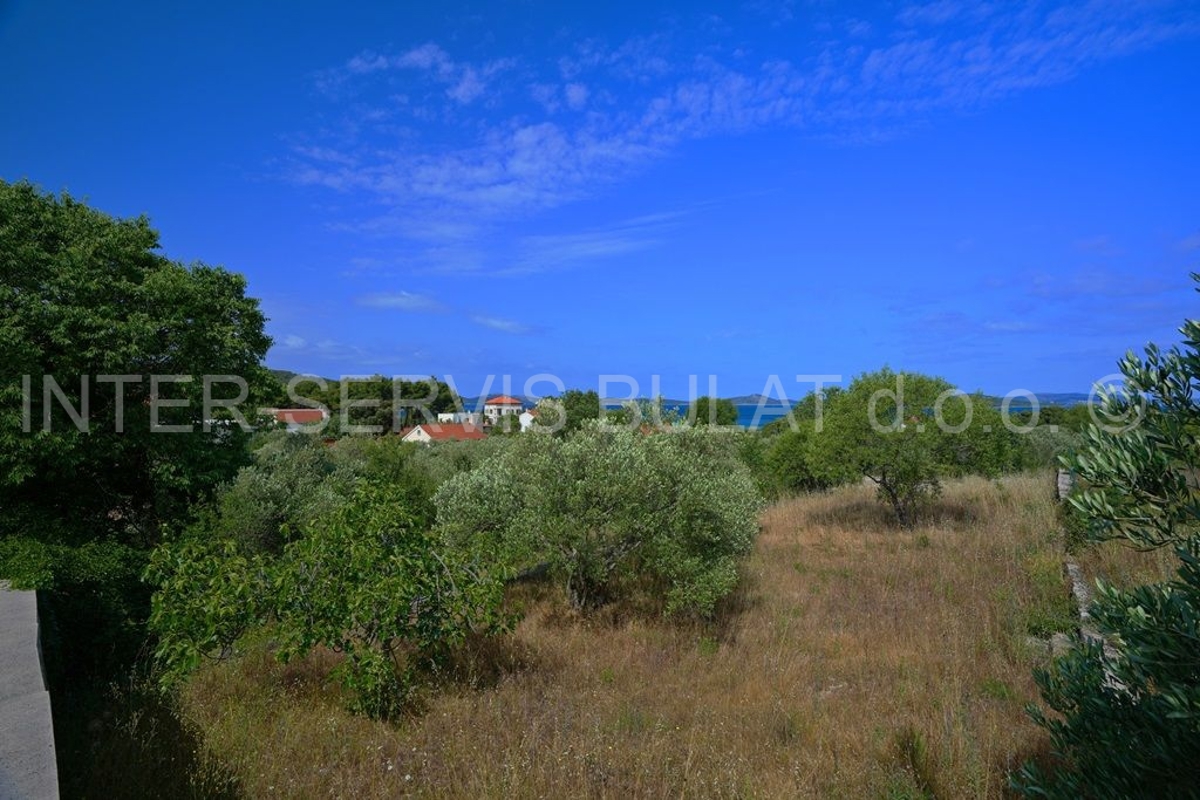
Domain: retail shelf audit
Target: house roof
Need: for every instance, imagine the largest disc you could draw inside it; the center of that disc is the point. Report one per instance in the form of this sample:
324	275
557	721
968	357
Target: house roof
447	431
503	400
298	416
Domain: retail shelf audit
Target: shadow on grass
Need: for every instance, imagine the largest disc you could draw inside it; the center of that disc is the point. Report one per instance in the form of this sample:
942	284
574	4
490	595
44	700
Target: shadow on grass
864	514
854	514
126	741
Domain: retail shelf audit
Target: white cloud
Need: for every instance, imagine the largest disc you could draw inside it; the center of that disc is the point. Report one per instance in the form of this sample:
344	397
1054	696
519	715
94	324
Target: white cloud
577	95
502	325
469	87
506	157
401	301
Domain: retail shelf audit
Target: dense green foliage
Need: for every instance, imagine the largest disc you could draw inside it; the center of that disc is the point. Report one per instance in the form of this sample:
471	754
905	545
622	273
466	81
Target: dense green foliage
568	412
1128	720
905	432
367	578
713	411
86	299
83	295
613	512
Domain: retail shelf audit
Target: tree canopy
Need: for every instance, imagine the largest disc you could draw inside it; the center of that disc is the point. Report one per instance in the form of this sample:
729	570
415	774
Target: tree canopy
107	342
904	432
88	303
713	411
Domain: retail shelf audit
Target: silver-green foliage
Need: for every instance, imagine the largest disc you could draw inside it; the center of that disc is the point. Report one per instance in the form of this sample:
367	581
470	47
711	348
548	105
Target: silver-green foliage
613	511
1128	718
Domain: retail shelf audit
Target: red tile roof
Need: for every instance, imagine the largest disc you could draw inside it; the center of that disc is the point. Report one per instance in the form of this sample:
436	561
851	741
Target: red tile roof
503	400
298	416
447	431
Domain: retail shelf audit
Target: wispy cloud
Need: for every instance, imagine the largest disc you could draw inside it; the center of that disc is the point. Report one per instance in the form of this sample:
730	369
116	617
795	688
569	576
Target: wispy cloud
502	325
1098	283
463	83
548	252
401	301
440	143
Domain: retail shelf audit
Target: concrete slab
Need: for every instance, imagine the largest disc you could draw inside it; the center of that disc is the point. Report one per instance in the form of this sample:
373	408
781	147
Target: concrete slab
27	767
20	666
27	762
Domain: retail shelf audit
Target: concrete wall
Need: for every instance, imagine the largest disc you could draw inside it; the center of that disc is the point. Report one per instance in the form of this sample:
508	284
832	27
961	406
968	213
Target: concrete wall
27	765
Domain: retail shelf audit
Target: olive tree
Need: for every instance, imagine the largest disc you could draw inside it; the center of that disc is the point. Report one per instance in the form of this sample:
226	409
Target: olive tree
713	411
905	432
612	511
1127	717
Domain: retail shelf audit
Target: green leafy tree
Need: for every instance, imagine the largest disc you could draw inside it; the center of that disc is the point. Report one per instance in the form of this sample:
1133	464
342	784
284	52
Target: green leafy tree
1127	720
384	403
569	412
89	305
905	432
84	295
713	411
375	584
368	580
789	461
293	480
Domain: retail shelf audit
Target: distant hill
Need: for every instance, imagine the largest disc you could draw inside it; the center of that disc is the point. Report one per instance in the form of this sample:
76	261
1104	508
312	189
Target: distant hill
756	399
285	375
1045	399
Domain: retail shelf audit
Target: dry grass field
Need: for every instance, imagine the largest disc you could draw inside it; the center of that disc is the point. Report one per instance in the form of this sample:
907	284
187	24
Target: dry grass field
857	660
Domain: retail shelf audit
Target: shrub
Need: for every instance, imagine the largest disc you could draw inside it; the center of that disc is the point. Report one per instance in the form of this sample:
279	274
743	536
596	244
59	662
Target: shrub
367	580
292	481
1128	719
612	510
1043	447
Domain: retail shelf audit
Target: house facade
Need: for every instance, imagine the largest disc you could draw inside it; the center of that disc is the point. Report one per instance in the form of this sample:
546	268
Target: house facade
501	405
426	433
461	417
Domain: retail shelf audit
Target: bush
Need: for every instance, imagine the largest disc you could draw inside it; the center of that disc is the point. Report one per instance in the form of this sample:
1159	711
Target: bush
1043	447
905	432
1128	720
294	479
612	511
367	580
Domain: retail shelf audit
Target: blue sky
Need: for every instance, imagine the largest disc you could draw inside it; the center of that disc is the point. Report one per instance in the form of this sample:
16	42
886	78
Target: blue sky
1003	194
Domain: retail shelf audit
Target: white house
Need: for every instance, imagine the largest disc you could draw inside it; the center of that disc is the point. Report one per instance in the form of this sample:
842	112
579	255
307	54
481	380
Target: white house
461	417
441	432
501	405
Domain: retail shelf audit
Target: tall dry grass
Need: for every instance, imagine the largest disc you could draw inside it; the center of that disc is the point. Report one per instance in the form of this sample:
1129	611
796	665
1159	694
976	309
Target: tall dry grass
857	660
1119	563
